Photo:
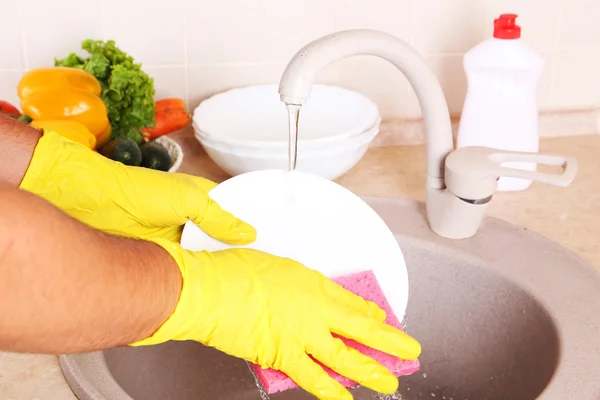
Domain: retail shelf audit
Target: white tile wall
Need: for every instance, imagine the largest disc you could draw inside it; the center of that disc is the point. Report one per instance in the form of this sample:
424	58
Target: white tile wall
290	24
447	26
153	38
225	31
204	80
580	28
12	56
8	86
540	19
576	80
53	28
194	48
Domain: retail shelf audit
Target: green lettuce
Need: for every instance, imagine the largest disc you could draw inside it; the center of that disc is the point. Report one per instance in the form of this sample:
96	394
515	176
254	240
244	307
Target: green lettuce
127	91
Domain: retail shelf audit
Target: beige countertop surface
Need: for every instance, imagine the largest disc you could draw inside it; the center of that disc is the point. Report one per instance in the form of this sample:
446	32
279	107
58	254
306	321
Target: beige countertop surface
568	216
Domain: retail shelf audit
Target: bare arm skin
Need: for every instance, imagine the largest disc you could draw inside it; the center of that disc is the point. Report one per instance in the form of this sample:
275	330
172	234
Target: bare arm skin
17	143
64	286
67	288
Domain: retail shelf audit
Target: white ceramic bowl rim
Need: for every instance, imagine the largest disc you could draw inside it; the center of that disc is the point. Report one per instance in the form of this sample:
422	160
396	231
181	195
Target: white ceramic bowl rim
255	114
255	146
307	152
284	143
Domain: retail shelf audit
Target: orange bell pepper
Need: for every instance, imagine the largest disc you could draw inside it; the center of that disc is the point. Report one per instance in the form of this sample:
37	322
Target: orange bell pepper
67	94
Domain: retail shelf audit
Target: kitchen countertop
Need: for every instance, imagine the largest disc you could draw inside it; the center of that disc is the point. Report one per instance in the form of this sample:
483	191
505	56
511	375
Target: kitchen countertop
567	216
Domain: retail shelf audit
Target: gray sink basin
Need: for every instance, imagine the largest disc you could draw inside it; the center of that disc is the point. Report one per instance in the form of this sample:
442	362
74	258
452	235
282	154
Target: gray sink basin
505	315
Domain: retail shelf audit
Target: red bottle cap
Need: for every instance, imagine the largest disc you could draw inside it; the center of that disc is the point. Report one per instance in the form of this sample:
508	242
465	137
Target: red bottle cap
505	27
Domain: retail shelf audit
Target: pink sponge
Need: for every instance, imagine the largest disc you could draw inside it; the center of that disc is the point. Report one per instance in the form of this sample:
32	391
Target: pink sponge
363	284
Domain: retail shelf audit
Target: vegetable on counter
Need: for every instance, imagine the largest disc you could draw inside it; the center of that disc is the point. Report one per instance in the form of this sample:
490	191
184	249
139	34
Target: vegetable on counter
169	104
151	154
155	156
105	102
9	109
124	150
127	91
69	104
170	115
72	130
61	77
68	95
25	118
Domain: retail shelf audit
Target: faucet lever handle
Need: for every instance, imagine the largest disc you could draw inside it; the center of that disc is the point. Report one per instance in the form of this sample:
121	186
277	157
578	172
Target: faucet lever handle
563	179
472	172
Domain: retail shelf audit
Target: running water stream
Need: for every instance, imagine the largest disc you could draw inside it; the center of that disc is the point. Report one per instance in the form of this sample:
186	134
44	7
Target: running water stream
293	118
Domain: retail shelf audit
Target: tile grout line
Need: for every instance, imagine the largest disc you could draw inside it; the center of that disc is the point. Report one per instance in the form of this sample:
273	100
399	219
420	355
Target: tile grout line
103	19
484	27
263	40
222	64
412	12
555	53
24	54
186	74
337	6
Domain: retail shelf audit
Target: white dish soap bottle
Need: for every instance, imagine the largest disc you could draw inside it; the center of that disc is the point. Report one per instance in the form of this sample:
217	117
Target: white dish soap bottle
500	108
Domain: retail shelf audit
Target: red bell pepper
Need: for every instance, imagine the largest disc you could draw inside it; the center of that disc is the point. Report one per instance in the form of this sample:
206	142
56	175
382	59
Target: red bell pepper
7	108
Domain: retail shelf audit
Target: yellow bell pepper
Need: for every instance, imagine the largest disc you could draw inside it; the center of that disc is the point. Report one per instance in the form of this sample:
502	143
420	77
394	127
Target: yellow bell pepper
35	79
72	130
103	137
67	94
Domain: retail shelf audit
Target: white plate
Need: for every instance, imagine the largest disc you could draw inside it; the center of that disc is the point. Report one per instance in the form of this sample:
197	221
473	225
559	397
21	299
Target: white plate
314	221
255	115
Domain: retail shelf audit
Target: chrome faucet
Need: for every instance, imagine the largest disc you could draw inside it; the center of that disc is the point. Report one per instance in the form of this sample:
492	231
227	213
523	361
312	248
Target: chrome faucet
460	183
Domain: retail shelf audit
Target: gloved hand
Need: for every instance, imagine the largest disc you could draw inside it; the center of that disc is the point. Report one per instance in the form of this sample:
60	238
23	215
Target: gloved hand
123	200
275	312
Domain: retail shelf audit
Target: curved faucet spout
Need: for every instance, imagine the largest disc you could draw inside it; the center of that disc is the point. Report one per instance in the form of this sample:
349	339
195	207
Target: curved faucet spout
298	78
460	183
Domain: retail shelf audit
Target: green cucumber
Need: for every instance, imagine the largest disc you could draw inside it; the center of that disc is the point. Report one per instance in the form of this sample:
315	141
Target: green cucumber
124	150
155	156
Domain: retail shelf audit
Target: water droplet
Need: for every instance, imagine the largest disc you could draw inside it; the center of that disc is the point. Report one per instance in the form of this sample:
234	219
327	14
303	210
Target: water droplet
395	396
262	391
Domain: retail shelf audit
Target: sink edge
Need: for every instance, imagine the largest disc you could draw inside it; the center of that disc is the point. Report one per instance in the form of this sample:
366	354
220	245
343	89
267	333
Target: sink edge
560	280
575	317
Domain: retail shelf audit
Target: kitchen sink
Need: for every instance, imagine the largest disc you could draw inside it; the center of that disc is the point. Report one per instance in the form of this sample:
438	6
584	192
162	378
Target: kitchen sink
506	314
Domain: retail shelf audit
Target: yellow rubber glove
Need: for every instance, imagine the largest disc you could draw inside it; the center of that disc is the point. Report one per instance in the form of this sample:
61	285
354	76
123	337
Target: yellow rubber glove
275	312
123	200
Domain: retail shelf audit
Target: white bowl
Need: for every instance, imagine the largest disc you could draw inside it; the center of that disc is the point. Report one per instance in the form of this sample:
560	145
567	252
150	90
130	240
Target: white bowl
281	148
254	116
328	161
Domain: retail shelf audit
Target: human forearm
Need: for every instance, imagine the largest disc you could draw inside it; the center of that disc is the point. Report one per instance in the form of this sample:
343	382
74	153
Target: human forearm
68	288
17	143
